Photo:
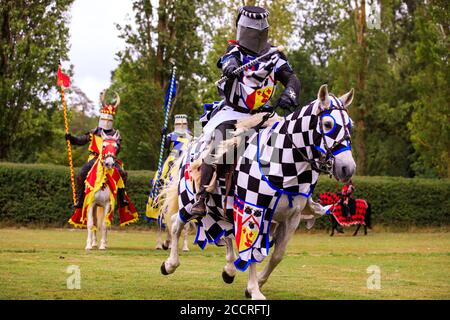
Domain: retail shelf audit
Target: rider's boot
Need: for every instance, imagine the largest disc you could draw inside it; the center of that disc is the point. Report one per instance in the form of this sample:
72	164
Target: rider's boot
79	193
199	207
121	197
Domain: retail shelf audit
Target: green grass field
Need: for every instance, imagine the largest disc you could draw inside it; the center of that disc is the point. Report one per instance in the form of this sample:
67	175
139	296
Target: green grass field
33	263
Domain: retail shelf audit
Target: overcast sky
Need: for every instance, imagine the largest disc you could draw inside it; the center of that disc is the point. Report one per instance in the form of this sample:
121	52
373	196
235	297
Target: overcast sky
94	42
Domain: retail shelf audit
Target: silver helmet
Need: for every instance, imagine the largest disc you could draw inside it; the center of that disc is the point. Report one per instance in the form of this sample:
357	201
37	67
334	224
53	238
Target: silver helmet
107	112
181	124
252	28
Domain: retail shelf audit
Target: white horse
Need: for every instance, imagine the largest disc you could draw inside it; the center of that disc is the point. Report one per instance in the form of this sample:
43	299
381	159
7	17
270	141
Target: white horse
319	136
167	244
101	205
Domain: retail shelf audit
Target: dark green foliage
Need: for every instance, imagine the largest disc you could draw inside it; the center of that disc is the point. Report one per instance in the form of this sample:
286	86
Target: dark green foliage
33	40
41	194
398	201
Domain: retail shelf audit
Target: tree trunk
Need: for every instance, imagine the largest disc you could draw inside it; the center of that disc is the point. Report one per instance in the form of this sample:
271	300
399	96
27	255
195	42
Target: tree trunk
360	20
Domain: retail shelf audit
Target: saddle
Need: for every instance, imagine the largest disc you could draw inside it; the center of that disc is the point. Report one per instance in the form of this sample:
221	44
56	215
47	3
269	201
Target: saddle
253	122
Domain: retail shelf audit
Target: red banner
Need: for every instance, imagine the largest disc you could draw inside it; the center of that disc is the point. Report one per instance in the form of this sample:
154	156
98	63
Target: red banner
63	79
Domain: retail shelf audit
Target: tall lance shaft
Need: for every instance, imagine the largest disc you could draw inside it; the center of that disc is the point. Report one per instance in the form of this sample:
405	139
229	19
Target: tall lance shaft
163	138
69	147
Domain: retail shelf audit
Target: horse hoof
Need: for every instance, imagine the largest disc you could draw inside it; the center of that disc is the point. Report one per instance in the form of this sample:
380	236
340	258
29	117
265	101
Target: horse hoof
247	294
165	247
163	269
227	278
185	250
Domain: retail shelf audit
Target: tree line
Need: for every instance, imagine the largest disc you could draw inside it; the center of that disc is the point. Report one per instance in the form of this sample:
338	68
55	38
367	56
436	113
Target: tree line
395	53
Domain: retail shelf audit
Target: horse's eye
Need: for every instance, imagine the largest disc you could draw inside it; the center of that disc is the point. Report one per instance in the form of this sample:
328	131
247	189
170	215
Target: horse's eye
328	125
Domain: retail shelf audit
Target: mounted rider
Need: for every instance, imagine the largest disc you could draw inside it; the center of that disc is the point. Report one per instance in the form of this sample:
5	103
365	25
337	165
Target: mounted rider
175	143
347	199
95	140
248	92
179	138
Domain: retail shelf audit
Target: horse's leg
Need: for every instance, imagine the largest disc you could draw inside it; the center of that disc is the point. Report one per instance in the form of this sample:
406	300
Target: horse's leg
103	227
229	271
185	241
167	244
158	239
357	229
173	261
283	234
253	290
95	228
90	224
333	226
365	230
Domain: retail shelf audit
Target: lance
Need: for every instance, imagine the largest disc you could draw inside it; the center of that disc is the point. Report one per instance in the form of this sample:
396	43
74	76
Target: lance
250	64
155	187
63	80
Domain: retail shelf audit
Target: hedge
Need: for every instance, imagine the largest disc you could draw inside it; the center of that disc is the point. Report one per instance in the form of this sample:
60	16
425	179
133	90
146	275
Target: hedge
41	194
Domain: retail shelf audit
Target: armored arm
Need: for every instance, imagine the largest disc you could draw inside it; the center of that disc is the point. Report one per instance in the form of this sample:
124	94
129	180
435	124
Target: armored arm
79	140
229	61
290	96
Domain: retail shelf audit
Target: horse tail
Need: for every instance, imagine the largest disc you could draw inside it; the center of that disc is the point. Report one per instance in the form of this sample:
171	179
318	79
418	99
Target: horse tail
368	216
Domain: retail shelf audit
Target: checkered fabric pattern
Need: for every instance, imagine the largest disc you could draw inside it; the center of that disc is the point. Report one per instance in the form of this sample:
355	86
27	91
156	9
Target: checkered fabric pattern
261	76
356	217
271	166
216	223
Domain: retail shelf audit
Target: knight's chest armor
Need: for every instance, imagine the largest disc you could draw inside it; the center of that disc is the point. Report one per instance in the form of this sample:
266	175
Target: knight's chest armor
96	143
95	146
256	85
178	144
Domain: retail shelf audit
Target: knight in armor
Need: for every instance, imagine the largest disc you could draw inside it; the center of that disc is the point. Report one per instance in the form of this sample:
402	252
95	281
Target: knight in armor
175	144
347	199
94	138
248	92
179	138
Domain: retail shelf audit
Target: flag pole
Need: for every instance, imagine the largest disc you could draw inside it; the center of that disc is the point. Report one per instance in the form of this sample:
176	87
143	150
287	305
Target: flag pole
69	147
154	190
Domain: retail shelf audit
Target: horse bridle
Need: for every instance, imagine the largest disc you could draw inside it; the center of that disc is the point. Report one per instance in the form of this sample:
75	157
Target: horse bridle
108	155
326	159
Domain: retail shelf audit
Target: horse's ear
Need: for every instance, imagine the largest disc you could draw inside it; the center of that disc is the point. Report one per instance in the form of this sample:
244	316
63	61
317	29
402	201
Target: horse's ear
116	135
103	135
323	97
347	98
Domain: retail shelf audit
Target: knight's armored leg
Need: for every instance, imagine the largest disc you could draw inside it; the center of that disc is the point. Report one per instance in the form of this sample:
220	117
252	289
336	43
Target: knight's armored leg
208	167
121	191
199	207
81	178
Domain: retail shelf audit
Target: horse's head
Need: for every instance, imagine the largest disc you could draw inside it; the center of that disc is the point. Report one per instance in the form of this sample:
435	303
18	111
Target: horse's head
109	149
325	126
333	133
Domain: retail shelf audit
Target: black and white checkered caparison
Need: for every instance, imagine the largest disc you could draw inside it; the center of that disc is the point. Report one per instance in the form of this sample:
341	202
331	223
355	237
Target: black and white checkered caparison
270	167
